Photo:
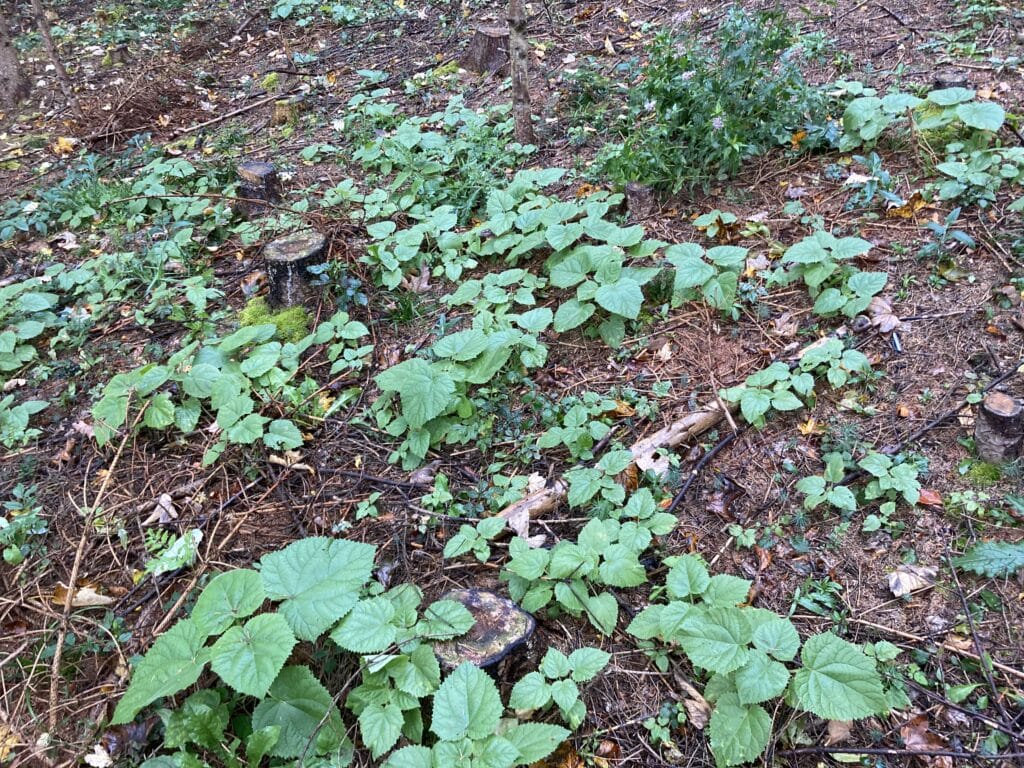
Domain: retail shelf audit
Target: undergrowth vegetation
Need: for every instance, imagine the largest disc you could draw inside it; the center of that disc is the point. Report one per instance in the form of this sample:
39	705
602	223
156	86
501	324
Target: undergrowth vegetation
474	274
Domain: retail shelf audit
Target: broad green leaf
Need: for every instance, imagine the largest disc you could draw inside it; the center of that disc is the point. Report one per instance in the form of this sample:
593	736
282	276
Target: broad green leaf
725	589
201	720
561	236
717	639
536	320
530	692
691	271
411	757
160	413
646	625
565	693
229	596
367	628
754	404
425	391
462	345
380	726
249	657
993	559
620	567
760	679
318	579
587	663
199	380
947	97
739	734
689	576
837	681
572	314
603	612
984	116
297	703
466	705
261	359
555	664
623	297
535	741
867	283
777	637
445	619
247	430
172	664
283	435
418	674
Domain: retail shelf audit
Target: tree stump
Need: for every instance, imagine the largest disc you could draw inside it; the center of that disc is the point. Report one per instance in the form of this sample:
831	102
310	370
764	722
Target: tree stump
999	428
487	53
258	182
640	201
287	110
288	260
501	627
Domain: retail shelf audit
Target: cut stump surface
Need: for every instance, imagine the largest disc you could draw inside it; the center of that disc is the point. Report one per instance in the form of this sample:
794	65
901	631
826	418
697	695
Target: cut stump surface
501	627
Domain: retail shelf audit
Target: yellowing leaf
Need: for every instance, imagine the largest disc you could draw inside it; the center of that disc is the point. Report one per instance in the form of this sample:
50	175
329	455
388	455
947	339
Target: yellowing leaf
908	209
85	596
797	138
8	741
63	146
811	427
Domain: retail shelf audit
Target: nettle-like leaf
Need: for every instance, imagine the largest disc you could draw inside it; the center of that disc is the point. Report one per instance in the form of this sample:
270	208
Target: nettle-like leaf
994	559
466	705
297	703
587	663
535	741
425	390
173	663
367	628
837	681
738	733
530	692
249	657
760	679
689	576
228	597
318	579
777	637
717	639
380	726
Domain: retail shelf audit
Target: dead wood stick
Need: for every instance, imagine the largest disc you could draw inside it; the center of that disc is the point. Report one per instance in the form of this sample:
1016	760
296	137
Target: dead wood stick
689	426
229	115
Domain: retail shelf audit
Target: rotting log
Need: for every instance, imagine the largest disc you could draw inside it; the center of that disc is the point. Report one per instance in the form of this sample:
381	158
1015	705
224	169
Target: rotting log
287	261
501	627
258	181
487	52
999	428
644	453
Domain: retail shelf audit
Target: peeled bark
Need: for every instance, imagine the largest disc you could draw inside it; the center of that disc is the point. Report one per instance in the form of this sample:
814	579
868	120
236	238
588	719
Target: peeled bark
14	86
519	55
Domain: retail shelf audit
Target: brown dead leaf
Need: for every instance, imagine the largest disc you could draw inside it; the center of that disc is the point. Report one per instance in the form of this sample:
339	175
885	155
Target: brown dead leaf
698	711
630	477
64	146
838	732
904	411
912	578
785	325
607	753
86	596
622	410
8	741
882	316
810	427
797	138
908	209
930	498
918	738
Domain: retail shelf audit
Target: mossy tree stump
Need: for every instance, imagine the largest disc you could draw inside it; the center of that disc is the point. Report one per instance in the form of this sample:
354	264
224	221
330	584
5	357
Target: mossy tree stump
999	428
501	628
258	182
288	259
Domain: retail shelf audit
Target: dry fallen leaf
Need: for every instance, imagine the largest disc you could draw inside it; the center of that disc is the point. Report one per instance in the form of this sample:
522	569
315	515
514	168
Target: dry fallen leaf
164	511
911	578
85	596
608	753
930	498
838	732
8	741
882	316
811	427
908	209
698	711
98	758
64	146
917	738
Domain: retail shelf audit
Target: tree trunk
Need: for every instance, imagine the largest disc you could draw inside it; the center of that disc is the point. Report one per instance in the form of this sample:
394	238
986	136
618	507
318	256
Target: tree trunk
14	86
51	49
518	54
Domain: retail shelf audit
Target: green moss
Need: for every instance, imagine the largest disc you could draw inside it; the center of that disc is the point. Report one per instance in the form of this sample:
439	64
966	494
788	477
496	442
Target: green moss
292	323
983	474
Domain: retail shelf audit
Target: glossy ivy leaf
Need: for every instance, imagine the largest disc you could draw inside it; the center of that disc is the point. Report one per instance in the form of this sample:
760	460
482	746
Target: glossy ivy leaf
173	663
534	741
837	681
777	637
760	679
367	628
425	390
228	597
298	703
466	705
738	733
318	579
249	657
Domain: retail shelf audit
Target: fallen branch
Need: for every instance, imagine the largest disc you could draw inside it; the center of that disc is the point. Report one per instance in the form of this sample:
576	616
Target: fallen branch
690	426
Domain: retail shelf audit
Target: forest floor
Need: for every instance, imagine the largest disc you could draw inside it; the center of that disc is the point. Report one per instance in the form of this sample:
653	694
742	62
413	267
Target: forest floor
202	81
